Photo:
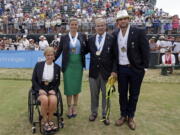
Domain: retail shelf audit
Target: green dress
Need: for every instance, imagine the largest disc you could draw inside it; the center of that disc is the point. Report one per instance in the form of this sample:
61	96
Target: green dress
73	73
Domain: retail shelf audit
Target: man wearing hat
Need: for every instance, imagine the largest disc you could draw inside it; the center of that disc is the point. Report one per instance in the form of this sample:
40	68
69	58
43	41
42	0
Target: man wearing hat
25	42
133	58
154	50
164	44
43	43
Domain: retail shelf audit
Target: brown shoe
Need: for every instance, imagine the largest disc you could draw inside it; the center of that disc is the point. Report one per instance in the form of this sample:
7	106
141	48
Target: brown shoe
131	124
120	121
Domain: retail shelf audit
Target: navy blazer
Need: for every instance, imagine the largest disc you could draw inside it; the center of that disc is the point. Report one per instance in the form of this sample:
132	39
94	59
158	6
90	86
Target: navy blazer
64	48
37	77
106	62
137	48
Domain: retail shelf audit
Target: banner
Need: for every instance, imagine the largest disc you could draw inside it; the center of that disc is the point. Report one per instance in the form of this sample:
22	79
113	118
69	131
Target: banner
20	59
26	59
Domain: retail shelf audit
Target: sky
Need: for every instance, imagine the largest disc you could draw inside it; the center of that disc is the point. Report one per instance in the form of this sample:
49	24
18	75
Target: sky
170	6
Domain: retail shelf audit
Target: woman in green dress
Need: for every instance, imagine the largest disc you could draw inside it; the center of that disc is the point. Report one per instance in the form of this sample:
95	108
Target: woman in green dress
73	60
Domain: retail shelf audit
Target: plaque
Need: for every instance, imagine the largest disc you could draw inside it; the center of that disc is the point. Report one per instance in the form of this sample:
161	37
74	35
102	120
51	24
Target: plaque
73	50
123	49
98	53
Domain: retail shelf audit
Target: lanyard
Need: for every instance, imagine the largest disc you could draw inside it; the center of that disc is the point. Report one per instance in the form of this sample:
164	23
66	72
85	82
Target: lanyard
73	41
101	44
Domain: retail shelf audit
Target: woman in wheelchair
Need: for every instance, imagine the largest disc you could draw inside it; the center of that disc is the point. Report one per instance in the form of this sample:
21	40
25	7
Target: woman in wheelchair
45	82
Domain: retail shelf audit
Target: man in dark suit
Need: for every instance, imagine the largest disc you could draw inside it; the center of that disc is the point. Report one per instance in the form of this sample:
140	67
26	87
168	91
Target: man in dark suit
102	65
132	52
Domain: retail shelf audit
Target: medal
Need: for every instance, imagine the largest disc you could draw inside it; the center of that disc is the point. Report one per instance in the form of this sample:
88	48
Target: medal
123	49
73	50
98	53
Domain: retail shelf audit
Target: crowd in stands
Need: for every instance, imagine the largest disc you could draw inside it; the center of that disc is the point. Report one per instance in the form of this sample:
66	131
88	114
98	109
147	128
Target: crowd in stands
164	43
23	17
25	43
158	44
51	16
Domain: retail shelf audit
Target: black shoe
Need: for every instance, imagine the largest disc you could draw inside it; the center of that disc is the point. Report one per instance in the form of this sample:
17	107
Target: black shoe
69	116
93	117
74	115
105	121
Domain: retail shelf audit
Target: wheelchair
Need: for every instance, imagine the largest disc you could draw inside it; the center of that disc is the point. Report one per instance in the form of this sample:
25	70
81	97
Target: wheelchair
34	113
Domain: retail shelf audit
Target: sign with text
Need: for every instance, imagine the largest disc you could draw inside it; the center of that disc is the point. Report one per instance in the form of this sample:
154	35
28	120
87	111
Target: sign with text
25	59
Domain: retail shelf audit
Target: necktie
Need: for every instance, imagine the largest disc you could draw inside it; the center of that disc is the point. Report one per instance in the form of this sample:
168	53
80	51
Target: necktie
99	39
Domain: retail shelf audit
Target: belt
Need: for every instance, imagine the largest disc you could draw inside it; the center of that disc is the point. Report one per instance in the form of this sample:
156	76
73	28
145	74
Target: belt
127	65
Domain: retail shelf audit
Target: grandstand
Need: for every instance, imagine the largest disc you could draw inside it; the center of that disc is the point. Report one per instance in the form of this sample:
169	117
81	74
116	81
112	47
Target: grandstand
50	17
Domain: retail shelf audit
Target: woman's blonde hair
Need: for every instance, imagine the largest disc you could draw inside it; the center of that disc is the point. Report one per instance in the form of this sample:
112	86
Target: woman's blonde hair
49	49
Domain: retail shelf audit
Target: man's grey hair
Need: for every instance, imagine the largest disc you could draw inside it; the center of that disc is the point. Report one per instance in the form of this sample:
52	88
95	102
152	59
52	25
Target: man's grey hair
100	20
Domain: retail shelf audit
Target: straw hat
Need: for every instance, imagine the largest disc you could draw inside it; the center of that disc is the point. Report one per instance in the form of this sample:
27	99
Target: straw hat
30	40
24	36
153	37
122	14
161	37
42	37
59	34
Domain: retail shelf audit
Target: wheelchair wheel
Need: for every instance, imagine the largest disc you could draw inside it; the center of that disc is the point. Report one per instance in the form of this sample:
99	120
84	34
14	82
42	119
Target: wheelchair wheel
30	106
33	130
59	114
60	104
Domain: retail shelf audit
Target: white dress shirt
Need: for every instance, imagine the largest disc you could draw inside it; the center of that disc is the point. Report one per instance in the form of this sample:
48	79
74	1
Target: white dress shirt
48	73
177	47
43	44
25	44
122	43
163	43
20	46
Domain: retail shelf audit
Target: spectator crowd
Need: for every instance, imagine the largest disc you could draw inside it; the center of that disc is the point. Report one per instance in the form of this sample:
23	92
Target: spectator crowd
25	43
162	44
23	17
51	16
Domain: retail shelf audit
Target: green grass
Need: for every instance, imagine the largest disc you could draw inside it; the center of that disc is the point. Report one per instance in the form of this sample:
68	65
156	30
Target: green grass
158	110
152	75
